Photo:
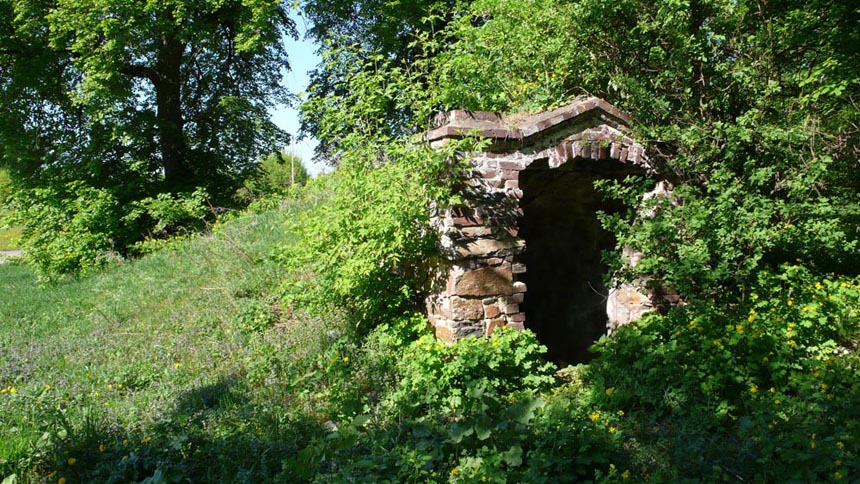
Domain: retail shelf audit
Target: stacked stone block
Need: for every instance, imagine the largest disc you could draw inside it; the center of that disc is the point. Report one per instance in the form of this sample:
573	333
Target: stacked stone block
477	288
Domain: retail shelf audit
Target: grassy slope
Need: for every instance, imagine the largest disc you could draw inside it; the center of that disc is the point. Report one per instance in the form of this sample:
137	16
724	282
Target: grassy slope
159	346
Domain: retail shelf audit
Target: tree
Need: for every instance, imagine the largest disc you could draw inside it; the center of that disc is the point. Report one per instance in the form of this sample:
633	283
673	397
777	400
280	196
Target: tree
275	174
352	33
751	107
135	98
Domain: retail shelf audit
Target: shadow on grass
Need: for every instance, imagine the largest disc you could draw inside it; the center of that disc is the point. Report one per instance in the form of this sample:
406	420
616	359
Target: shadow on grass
217	432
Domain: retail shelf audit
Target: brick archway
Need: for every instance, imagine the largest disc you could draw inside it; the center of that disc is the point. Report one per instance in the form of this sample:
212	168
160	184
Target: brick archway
483	274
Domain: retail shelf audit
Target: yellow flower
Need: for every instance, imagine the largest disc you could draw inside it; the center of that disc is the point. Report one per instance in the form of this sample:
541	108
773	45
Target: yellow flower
753	389
12	390
791	343
47	387
740	327
101	447
612	430
772	390
346	359
812	445
837	475
62	480
840	445
455	471
609	392
146	440
176	365
124	442
818	285
96	394
595	416
611	467
72	461
625	475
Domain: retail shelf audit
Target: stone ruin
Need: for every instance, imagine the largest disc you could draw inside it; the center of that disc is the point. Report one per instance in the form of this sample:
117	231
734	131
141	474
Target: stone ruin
524	248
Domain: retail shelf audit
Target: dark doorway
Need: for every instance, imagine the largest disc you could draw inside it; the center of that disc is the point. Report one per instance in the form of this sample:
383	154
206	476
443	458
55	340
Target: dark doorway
566	300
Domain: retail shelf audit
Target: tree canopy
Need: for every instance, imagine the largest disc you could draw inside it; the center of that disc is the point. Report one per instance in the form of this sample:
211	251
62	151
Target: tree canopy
135	98
750	107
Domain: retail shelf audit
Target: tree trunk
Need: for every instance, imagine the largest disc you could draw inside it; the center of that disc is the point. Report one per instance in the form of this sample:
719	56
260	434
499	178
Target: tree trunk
168	94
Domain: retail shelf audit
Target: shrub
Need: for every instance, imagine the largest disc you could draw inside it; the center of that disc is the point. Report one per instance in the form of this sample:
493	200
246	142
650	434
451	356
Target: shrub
761	387
67	230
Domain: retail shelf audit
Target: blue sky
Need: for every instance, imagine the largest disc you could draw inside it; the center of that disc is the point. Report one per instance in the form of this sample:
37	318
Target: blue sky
303	58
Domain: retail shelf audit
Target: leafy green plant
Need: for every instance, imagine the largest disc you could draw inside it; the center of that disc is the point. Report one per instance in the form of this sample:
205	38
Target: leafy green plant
67	230
759	375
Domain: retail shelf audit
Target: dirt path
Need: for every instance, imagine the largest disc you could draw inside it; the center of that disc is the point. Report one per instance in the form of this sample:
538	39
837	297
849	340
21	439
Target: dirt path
6	254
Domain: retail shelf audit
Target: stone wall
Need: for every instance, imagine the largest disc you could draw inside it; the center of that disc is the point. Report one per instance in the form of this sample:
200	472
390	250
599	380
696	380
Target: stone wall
480	277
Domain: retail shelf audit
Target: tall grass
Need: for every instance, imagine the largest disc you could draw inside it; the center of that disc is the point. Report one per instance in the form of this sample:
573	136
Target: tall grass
151	357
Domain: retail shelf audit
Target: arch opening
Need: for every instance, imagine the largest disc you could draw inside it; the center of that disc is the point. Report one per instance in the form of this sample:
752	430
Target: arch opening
566	300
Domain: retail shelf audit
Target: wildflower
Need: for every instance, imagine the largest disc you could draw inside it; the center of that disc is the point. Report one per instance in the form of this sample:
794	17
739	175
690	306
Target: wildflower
625	475
611	467
840	445
837	475
812	445
595	416
47	387
455	471
72	461
818	285
110	386
12	390
62	480
612	429
609	392
101	447
146	440
124	442
753	389
740	327
791	343
96	394
772	390
346	359
176	366
790	302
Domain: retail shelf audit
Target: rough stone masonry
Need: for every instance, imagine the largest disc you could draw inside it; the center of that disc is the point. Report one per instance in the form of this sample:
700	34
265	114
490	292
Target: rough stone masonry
481	280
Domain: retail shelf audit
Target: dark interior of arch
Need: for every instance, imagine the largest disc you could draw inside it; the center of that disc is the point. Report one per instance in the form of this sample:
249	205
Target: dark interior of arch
566	300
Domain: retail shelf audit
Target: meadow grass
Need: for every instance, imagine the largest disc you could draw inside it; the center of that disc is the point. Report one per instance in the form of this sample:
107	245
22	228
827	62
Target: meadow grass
9	238
152	357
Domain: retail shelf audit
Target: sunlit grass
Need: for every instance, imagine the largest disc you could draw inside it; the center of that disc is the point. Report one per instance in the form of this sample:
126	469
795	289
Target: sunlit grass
9	238
140	352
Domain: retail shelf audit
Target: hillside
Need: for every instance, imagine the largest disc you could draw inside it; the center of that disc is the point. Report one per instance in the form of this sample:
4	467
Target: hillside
103	377
187	365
